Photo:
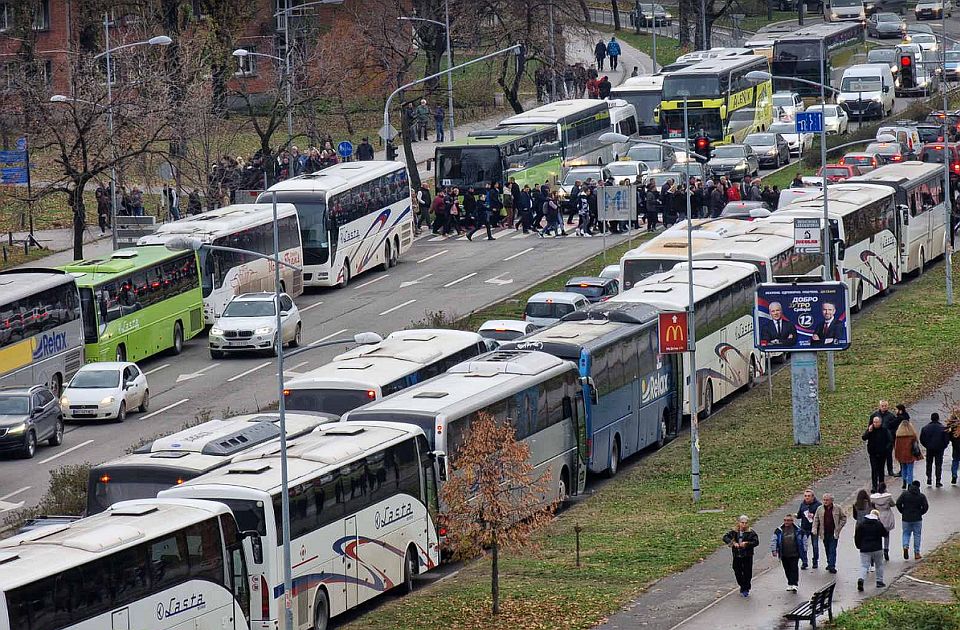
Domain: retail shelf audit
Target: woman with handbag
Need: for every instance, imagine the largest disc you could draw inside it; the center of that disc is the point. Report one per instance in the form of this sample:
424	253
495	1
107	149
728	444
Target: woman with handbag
906	449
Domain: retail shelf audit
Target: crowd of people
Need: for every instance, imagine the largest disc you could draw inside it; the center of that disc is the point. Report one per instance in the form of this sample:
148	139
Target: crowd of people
796	543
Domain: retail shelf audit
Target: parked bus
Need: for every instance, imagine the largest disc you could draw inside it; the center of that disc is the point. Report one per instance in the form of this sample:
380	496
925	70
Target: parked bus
370	372
644	93
615	346
721	102
158	564
174	459
762	43
806	54
540	394
243	226
138	302
353	216
363	510
918	187
724	299
41	337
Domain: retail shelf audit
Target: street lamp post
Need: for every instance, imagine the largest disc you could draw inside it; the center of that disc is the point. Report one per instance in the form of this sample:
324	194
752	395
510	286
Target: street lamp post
446	29
948	235
691	332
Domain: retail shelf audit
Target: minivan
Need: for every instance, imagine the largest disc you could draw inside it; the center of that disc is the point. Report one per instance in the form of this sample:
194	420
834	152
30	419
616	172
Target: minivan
867	89
844	10
905	133
549	307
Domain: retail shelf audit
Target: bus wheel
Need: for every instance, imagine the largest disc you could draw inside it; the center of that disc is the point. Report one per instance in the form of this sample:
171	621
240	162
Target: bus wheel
614	458
395	252
563	488
752	374
923	263
707	410
121	353
346	275
858	302
177	339
386	257
662	440
409	571
55	383
321	610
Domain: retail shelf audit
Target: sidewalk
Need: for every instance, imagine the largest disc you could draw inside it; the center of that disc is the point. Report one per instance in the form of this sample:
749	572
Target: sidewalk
706	597
60	244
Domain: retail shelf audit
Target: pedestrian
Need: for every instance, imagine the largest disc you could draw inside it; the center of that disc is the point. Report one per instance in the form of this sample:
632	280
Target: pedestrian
899	415
422	113
717	201
103	208
573	201
797	181
365	150
583	214
883	503
483	219
439	210
593	84
604	87
495	204
805	514
890	421
600	54
878	442
650	204
827	524
868	538
907	449
861	505
194	205
470	206
424	200
934	438
636	72
172	199
438	115
524	206
953	432
785	545
613	51
453	213
912	505
551	210
742	540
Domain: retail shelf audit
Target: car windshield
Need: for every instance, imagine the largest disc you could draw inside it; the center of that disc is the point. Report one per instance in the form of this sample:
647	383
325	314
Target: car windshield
783	128
95	379
923	38
548	309
953	55
830	111
728	152
14	405
888	17
761	139
932	154
783	100
500	335
645	153
249	308
882	55
861	84
919	28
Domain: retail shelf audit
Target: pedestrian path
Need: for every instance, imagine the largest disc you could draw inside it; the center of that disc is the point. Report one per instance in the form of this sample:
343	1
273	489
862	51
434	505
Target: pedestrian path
705	597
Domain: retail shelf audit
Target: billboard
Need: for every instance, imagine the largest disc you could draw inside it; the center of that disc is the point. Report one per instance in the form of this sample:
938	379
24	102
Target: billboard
801	317
672	332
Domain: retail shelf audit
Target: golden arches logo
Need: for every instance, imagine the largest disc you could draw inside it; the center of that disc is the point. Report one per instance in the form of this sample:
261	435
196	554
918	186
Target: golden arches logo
674	332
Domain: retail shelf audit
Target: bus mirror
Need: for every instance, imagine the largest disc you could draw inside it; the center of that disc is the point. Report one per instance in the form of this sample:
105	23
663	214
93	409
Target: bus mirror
441	458
841	250
886	89
256	544
904	213
587	381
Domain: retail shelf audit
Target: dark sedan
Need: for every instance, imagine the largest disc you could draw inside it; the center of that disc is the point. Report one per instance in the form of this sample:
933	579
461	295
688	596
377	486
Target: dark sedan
770	148
29	415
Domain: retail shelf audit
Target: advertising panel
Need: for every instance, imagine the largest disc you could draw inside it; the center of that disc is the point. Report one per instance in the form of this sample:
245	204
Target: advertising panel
802	317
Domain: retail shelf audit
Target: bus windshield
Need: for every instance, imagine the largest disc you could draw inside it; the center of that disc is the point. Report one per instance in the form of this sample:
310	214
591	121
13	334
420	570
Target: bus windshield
675	87
335	401
797	51
645	103
123	484
468	166
701	120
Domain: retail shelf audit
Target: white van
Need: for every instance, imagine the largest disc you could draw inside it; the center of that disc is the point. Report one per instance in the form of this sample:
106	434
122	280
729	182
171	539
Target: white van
548	307
844	11
867	89
905	133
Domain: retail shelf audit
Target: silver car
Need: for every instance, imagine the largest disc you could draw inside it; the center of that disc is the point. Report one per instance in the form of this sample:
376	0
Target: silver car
249	323
882	25
736	161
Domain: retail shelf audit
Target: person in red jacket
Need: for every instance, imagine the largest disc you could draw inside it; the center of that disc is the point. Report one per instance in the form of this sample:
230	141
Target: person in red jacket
733	192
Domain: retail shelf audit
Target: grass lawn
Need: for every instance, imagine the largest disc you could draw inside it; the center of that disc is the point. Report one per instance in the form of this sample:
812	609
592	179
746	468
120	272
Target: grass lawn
644	526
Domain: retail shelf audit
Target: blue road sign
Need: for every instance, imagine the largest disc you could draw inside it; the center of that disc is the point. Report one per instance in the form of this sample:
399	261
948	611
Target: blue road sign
22	143
13	157
809	122
13	175
345	149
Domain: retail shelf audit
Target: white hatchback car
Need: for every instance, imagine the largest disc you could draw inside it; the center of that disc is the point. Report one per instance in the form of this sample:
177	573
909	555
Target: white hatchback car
549	307
249	323
105	391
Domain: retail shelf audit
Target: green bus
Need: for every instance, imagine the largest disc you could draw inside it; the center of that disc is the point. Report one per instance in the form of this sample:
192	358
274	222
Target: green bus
138	302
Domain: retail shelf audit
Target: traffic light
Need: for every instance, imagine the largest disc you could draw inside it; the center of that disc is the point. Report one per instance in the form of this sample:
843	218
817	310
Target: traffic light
702	146
391	151
906	70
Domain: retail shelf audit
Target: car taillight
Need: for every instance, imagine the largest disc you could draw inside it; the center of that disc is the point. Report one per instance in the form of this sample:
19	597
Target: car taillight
956	167
843	161
896	158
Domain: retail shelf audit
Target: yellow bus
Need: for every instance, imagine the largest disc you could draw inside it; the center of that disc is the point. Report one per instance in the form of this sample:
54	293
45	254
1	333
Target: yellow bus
721	103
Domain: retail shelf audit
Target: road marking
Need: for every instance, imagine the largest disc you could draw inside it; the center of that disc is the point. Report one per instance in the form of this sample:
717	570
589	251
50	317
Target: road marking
518	254
298	365
498	280
458	280
156	369
62	453
192	375
432	256
330	336
436	239
307	308
399	306
378	279
250	371
162	409
15	493
410	283
522	235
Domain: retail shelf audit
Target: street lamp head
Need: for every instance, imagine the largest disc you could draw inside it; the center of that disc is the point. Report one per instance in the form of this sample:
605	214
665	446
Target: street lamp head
758	76
367	338
241	52
183	243
160	40
612	137
60	98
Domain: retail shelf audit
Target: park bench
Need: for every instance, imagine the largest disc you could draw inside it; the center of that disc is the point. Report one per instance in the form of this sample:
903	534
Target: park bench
821	602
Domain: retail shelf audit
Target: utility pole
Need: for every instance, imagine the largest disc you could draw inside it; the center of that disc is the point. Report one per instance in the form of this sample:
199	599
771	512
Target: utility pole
948	245
827	245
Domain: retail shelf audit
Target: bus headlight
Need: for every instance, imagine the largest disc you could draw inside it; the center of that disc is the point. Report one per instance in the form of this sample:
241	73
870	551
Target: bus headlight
263	330
109	400
17	430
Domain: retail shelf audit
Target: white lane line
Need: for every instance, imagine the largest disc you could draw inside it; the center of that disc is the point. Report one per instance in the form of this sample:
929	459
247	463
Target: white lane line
156	369
250	371
432	256
15	493
521	235
330	336
437	239
307	308
399	306
162	409
298	365
518	254
377	279
62	453
459	280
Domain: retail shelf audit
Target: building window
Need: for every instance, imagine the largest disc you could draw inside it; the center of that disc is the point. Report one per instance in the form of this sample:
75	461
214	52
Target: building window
248	64
41	17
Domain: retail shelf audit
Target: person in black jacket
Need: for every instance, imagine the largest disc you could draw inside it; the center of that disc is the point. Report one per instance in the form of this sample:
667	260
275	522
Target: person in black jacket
600	54
934	438
605	87
878	442
912	505
890	423
742	540
868	537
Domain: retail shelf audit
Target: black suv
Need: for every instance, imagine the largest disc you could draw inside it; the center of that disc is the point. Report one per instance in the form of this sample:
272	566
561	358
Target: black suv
29	415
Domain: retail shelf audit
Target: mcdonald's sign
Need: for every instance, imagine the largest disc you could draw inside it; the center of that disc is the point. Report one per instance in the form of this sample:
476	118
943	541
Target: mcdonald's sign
673	332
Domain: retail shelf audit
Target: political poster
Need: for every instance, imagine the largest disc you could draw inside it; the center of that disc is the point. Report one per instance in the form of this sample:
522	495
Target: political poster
802	317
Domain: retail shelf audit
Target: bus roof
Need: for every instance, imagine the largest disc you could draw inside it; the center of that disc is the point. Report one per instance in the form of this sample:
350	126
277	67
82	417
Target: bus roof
842	199
745	247
336	176
716	65
567	337
212	224
556	112
669	290
48	550
95	270
495	137
649	83
820	30
769	35
17	283
900	173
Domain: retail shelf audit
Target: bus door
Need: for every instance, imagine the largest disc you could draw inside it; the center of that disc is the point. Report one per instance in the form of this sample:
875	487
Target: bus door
674	405
351	569
579	415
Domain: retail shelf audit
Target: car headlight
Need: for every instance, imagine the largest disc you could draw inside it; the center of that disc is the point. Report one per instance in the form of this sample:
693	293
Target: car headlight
109	400
772	151
216	331
669	15
876	99
834	16
64	401
17	430
263	330
741	166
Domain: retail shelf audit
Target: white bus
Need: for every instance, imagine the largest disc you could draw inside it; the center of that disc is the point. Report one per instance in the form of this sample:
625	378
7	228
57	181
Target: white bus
922	205
245	226
580	123
174	459
362	518
41	336
370	372
540	394
353	216
157	564
723	294
644	93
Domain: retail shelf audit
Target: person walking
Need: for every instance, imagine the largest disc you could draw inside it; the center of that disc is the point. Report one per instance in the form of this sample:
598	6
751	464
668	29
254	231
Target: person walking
551	209
424	200
742	540
878	442
890	422
495	204
453	213
912	505
613	51
482	220
953	433
583	212
868	538
365	150
422	113
438	115
828	522
604	87
805	515
785	545
650	205
906	449
934	438
439	210
600	54
898	416
883	503
524	208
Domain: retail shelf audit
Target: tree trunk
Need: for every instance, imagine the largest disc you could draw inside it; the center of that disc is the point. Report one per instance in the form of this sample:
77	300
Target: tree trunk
683	28
512	90
434	54
75	200
585	9
344	114
616	14
495	574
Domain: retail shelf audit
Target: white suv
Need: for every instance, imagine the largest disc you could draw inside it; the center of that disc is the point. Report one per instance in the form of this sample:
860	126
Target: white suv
249	322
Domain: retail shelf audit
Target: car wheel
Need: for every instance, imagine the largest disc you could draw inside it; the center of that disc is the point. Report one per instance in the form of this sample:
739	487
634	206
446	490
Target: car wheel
216	354
29	446
777	163
275	348
145	403
177	339
122	413
57	438
297	338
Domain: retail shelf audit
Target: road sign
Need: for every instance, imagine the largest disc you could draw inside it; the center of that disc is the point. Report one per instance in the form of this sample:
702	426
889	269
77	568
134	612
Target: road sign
617	203
809	122
22	143
806	236
673	332
388	133
345	149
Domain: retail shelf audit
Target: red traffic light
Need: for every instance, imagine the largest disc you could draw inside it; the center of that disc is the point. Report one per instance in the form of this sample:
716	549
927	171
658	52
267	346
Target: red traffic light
905	60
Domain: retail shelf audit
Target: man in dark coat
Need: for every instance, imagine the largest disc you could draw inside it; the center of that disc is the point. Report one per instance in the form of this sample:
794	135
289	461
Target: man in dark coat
912	505
878	443
600	53
890	423
868	538
934	438
364	150
742	540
